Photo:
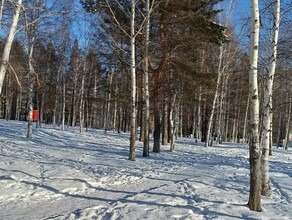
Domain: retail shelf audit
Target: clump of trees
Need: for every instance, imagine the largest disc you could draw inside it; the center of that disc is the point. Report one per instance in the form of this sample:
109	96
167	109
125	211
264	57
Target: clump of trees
171	68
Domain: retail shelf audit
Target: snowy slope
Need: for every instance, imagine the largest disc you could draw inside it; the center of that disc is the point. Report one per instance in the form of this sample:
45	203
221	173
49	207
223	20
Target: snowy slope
67	175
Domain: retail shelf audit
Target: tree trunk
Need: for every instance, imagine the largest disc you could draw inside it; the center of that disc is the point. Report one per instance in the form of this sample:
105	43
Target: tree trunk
180	121
141	110
254	202
234	138
215	97
146	84
279	130
115	108
132	153
220	115
271	133
7	98
81	107
41	112
63	100
173	122
18	104
94	118
227	119
1	11
56	100
287	132
8	44
108	101
73	107
156	146
194	123
30	106
267	108
165	122
30	92
199	118
245	121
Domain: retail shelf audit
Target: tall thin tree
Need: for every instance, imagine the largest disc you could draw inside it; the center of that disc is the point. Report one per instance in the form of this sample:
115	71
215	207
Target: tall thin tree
8	44
146	83
132	154
267	108
254	202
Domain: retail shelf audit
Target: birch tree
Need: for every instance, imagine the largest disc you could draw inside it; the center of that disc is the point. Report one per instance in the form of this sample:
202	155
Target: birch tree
254	202
215	97
31	26
31	82
8	44
76	67
288	119
267	107
132	153
116	16
1	11
146	83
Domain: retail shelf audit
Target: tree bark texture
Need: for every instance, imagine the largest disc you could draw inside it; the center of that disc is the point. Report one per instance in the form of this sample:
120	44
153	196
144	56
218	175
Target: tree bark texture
132	152
8	44
254	202
146	84
267	108
208	135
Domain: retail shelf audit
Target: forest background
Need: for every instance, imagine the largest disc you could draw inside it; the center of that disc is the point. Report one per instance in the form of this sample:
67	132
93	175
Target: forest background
172	69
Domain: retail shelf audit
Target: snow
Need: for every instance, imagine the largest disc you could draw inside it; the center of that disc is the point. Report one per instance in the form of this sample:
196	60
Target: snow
68	175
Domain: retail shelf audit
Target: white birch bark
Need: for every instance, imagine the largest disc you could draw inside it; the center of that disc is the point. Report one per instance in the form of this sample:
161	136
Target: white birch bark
267	108
1	11
132	152
279	130
237	126
288	120
42	105
245	121
18	104
173	123
254	202
271	132
56	100
215	97
81	106
220	114
194	123
165	121
108	101
82	92
30	106
234	122
74	97
227	119
8	44
63	98
199	118
146	83
7	99
30	92
180	123
94	115
115	108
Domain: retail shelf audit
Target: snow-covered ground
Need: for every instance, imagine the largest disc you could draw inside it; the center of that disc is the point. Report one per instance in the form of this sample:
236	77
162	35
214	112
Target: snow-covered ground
68	175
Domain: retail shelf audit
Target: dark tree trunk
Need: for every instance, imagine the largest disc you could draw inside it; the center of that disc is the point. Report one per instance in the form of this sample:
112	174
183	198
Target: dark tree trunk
156	146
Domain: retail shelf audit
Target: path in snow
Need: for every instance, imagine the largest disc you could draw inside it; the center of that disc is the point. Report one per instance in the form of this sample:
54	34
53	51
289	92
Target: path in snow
67	175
